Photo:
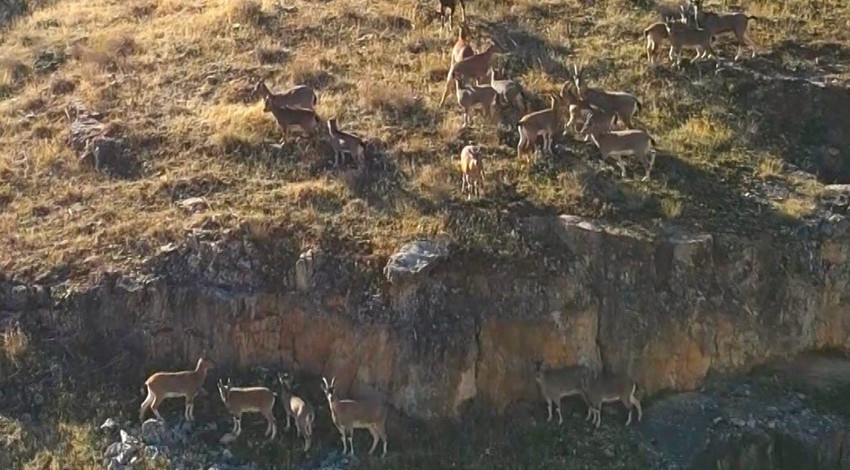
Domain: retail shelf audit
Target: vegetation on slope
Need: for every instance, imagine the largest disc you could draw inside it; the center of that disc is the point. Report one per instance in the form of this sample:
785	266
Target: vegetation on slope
175	78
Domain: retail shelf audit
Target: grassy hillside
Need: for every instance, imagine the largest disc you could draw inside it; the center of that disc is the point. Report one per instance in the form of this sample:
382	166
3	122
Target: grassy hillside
174	77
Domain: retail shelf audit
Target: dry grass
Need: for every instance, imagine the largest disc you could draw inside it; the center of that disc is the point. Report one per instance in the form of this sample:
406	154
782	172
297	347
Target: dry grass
14	346
175	74
769	167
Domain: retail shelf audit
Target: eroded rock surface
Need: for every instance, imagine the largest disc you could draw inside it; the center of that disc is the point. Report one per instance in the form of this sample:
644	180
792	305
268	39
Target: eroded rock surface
665	306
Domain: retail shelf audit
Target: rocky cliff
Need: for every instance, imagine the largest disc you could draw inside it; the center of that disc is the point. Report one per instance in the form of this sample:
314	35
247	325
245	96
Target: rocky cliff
438	328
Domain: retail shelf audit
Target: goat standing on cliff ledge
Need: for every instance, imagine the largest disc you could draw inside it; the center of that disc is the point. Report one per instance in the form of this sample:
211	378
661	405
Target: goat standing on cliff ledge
162	385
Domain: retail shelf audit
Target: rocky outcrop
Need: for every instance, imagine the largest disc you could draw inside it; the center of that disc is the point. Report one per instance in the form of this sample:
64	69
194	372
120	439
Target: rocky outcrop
664	306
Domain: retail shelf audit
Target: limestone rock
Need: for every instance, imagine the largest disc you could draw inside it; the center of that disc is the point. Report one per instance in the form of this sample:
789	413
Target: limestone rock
414	259
156	432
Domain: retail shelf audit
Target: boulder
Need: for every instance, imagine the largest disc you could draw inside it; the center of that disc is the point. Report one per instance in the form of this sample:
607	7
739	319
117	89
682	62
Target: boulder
414	259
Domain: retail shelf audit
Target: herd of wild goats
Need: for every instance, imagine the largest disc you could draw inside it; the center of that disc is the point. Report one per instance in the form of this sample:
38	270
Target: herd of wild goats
598	110
606	116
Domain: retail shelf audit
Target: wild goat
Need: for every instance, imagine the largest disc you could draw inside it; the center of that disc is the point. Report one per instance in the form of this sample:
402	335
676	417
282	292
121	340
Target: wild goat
349	415
616	144
656	33
296	408
545	122
719	23
578	108
682	38
622	103
343	142
508	91
556	384
239	400
608	389
287	117
473	67
162	385
447	12
470	96
462	49
301	96
472	170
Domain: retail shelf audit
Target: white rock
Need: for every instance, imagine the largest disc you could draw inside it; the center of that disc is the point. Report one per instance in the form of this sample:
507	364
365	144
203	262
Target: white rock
109	424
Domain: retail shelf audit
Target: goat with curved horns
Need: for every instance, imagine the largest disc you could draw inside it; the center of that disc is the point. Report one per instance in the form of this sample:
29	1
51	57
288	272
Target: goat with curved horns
349	415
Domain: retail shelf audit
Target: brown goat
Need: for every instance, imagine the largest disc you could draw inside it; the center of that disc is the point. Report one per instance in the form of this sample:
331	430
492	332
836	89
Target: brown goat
720	23
186	384
287	117
462	49
473	67
472	169
447	12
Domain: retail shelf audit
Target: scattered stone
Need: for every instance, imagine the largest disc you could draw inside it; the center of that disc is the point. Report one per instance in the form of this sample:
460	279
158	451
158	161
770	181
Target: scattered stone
738	422
227	438
109	424
414	258
155	432
194	204
126	438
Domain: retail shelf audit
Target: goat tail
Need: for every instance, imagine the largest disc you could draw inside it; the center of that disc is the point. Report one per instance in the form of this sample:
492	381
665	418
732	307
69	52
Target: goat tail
144	392
638	105
315	99
654	143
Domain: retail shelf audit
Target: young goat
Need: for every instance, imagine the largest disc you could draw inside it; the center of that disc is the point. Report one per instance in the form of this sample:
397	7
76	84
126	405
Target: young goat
719	23
343	142
616	144
545	122
471	96
301	96
472	169
447	12
622	103
462	49
287	117
688	38
296	408
239	400
578	108
162	385
508	91
349	415
608	389
474	67
556	384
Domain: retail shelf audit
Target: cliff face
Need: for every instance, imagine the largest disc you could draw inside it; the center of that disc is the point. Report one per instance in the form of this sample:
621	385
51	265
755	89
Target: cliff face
667	308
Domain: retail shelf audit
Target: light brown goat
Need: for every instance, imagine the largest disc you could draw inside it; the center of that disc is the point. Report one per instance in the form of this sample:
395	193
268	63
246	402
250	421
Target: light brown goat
462	49
447	12
509	91
474	67
349	415
343	142
616	144
608	389
556	384
545	122
470	96
240	400
297	409
301	96
720	23
287	117
622	103
472	170
187	384
688	38
577	108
